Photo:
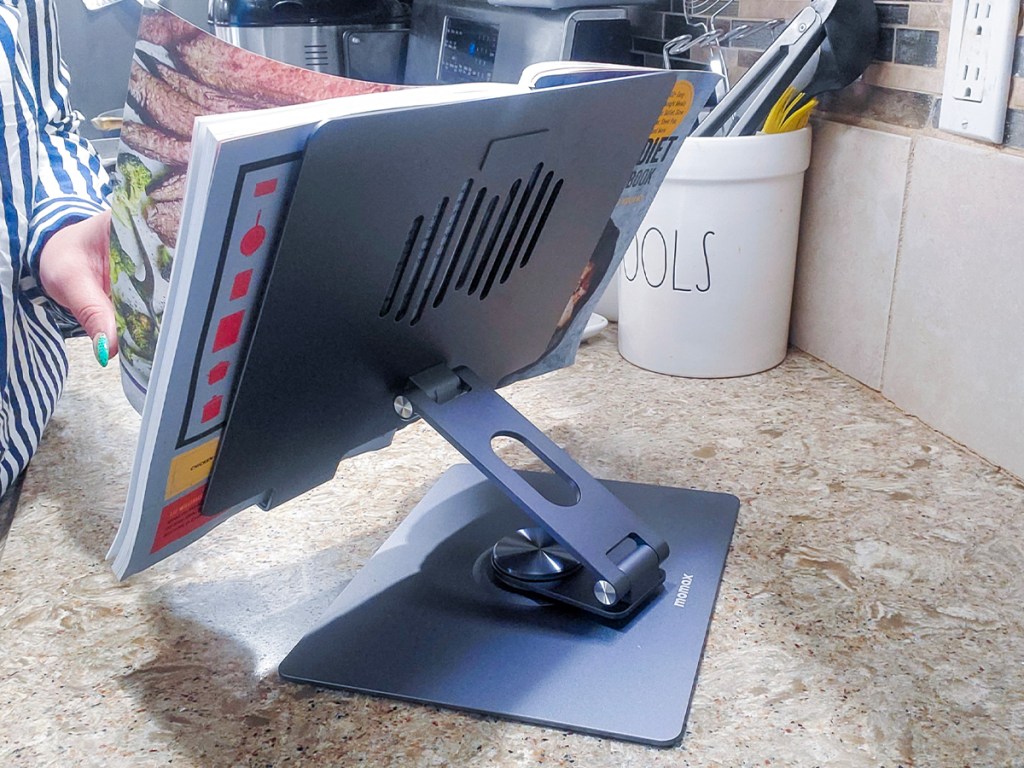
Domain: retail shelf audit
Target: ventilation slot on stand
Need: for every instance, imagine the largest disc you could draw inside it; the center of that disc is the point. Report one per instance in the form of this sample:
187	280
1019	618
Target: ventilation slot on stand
543	218
440	252
499	225
421	259
453	263
482	239
504	256
481	231
403	262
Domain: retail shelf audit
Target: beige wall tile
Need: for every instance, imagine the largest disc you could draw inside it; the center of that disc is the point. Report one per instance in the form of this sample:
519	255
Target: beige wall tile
853	197
1017	93
929	16
771	9
905	77
956	349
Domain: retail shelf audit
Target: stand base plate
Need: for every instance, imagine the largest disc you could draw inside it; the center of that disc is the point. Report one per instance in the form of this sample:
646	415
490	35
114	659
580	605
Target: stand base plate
426	619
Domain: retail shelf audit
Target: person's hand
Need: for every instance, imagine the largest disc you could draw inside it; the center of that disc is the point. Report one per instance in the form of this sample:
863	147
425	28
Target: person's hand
74	269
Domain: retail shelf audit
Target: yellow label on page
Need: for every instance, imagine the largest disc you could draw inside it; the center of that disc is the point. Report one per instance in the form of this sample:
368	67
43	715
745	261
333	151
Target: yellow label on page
191	467
678	104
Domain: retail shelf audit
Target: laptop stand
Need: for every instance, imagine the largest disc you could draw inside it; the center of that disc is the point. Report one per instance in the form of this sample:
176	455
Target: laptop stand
409	281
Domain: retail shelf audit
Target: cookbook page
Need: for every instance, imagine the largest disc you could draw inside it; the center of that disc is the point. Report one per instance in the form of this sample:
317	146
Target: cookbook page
179	72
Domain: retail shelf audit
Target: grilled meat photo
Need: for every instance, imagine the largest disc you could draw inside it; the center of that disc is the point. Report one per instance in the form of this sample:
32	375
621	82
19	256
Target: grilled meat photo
238	72
155	144
170	187
163	218
165	107
210	100
165	29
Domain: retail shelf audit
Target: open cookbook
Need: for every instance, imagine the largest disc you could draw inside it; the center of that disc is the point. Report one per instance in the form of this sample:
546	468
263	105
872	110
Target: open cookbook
211	146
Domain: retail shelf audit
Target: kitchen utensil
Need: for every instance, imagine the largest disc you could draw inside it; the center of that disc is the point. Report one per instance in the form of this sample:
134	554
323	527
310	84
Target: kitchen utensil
734	33
746	30
790	113
673	47
108	121
850	29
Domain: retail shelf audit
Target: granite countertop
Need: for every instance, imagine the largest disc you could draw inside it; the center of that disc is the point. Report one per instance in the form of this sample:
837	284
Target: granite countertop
870	614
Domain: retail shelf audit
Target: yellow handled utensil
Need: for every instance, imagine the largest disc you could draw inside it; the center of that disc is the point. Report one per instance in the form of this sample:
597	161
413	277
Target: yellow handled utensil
789	113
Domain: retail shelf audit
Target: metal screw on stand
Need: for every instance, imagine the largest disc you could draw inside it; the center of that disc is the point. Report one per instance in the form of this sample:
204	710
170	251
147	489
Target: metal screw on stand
404	408
605	593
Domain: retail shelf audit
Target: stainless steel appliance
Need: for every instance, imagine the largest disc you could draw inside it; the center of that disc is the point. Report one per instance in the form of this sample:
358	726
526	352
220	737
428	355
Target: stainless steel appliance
357	38
470	40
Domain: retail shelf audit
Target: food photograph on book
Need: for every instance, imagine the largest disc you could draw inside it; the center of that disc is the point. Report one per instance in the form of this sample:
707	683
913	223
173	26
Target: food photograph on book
179	72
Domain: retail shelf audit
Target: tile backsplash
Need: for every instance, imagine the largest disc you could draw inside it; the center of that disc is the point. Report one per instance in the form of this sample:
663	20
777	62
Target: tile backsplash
908	266
902	87
914	289
955	355
916	47
845	270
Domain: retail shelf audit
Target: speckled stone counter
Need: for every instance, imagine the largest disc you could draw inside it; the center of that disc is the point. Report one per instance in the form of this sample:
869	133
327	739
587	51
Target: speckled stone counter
872	612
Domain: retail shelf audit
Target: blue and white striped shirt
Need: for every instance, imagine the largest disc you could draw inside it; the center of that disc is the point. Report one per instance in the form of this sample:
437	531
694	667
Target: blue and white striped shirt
50	178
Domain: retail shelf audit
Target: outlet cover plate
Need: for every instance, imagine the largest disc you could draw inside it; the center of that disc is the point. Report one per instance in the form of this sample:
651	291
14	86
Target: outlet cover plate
979	60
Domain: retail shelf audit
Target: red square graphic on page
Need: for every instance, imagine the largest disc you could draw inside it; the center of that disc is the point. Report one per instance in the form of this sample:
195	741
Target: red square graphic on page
228	330
218	372
212	409
240	286
267	187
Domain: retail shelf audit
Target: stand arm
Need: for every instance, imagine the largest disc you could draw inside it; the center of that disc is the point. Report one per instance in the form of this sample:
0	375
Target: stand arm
620	555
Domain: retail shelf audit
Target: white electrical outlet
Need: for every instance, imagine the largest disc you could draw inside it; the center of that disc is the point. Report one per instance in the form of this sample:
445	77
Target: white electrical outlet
978	67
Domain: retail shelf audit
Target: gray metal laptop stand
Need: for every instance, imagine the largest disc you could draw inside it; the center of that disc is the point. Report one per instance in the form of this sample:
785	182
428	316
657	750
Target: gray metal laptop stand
487	599
409	281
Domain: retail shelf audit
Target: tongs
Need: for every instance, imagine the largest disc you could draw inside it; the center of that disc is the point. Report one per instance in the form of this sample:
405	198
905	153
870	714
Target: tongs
842	33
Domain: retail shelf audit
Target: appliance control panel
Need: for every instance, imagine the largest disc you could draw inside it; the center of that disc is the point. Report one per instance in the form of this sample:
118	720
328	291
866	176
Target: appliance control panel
467	51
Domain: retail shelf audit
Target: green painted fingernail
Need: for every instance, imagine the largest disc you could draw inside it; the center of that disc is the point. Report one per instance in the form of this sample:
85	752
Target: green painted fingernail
100	348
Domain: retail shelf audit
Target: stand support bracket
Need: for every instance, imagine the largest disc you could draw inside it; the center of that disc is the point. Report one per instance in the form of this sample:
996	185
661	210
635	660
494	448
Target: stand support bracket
620	556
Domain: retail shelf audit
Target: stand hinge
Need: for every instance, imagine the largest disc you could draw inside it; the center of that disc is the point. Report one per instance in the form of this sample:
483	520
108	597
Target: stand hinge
609	561
440	383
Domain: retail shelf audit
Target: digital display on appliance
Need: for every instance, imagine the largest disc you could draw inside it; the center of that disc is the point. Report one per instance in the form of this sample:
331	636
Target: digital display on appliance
467	51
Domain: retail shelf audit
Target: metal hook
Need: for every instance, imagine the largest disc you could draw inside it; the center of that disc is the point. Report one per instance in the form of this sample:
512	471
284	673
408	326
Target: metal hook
770	24
669	48
734	33
706	39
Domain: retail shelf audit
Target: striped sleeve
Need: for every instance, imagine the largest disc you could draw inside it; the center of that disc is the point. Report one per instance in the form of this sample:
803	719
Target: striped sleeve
49	179
70	183
17	160
37	368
